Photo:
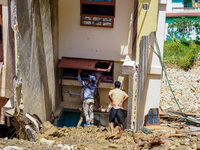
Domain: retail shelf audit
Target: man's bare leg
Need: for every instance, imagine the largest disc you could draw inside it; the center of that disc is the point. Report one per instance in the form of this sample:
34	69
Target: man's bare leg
120	130
111	128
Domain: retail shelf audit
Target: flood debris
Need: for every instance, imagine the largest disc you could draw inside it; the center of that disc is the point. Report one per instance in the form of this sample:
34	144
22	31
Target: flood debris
173	133
169	135
26	126
147	142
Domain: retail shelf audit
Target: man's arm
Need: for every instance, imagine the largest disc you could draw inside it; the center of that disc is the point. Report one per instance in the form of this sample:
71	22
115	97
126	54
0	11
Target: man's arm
112	102
79	78
121	104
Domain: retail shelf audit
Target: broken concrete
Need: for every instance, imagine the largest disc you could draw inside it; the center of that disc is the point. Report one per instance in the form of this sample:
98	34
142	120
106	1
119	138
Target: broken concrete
38	56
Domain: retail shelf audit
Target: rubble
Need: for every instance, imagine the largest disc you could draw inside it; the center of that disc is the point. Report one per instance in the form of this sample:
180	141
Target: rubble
174	133
169	135
186	87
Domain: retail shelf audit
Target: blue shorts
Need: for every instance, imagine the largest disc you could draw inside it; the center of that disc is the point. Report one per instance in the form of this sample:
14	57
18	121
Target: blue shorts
116	113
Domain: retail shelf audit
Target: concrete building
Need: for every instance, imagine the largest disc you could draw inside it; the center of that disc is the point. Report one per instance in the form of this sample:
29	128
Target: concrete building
112	36
189	9
5	83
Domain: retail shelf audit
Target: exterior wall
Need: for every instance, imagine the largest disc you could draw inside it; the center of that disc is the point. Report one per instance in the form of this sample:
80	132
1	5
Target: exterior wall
147	21
148	83
154	66
37	56
169	6
5	84
95	42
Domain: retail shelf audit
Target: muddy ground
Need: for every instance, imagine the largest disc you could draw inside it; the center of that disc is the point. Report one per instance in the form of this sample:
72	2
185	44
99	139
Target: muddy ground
171	134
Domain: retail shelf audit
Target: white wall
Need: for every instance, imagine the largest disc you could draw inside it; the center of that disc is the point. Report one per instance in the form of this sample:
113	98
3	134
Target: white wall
5	85
95	42
154	66
169	6
179	4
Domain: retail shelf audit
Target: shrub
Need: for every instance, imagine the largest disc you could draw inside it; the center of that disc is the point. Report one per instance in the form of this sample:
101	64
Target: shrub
180	53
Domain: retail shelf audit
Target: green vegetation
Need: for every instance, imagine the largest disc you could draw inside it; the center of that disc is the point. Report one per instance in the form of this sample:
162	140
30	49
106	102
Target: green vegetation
184	27
181	53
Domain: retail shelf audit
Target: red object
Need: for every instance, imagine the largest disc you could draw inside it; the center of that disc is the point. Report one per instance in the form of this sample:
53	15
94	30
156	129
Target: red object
86	64
153	117
182	14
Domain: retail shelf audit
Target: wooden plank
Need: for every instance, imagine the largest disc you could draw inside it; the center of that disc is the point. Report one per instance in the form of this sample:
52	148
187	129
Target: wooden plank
58	112
86	64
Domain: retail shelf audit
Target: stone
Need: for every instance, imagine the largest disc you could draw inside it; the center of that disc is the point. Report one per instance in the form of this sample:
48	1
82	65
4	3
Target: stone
48	142
13	148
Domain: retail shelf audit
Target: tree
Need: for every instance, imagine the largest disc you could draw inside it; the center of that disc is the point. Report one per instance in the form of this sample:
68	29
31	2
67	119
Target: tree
180	27
197	29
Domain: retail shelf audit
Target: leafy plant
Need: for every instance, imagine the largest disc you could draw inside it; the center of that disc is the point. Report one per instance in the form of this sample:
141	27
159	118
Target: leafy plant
180	53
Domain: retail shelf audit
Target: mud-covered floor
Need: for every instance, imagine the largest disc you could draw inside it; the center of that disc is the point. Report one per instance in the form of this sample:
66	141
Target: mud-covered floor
169	135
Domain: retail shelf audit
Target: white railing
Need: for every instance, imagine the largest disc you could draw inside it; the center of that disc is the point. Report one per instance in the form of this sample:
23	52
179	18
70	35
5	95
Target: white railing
186	9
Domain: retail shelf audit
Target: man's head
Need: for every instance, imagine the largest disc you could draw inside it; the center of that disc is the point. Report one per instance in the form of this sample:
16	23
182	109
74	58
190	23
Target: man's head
91	78
117	84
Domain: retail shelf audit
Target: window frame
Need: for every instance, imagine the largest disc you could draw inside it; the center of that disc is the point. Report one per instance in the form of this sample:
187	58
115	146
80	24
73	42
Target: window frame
99	16
184	2
88	66
98	2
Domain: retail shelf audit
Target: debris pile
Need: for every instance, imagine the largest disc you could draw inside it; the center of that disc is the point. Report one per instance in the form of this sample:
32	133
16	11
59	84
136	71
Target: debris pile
165	137
186	87
173	133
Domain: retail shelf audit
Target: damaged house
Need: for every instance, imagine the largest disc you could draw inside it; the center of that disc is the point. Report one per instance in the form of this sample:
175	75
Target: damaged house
45	42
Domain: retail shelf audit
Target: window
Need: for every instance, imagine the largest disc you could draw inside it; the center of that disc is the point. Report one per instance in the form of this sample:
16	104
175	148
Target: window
152	118
185	4
98	13
70	68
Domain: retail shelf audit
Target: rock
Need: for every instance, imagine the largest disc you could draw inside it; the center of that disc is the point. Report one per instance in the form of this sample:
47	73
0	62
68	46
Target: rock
194	129
194	146
112	146
198	146
146	131
48	142
13	148
172	147
183	148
